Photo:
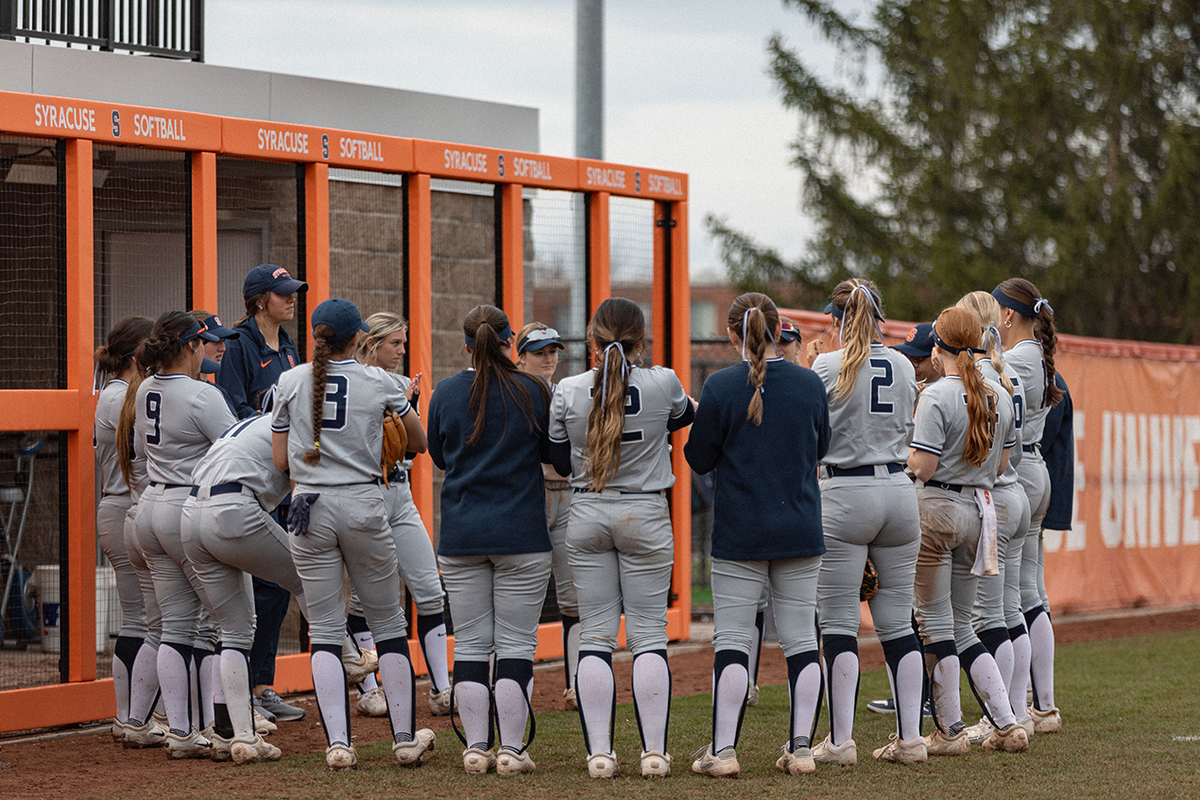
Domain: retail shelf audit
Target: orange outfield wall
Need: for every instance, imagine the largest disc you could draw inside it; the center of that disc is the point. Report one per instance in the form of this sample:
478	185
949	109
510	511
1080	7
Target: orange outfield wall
83	122
1135	537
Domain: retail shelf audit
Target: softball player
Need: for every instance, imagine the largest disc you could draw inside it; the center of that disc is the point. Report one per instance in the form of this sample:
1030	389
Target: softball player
868	509
997	616
487	430
1030	352
789	343
115	367
608	430
229	535
538	348
327	427
766	526
383	347
177	419
961	443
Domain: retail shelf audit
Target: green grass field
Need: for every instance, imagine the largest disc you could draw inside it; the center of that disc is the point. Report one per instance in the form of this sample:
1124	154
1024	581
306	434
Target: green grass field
1131	731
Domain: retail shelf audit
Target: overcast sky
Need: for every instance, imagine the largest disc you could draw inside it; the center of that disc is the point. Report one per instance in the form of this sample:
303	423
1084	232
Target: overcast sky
686	87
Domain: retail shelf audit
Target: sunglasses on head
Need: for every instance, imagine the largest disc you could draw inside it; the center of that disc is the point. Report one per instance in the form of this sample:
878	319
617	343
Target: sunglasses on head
539	335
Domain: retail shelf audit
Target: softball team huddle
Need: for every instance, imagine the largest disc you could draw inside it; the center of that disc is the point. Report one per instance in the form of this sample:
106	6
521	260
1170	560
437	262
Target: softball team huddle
814	474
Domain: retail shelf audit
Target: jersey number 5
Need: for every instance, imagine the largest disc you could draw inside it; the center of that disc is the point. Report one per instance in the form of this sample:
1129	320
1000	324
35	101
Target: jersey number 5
880	381
337	390
154	414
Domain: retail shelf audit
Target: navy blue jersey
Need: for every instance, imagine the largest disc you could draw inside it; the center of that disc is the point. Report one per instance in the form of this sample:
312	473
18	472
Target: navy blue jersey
767	504
1058	450
249	366
493	497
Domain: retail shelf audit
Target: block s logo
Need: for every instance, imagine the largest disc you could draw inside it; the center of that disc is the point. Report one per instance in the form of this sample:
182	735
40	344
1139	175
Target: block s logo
637	181
116	124
324	145
500	164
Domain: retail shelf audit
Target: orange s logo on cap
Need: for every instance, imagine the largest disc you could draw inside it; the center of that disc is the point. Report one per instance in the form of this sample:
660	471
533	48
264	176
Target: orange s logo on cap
280	271
911	335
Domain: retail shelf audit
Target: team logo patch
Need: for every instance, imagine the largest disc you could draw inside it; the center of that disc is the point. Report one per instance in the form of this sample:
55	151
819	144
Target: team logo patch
279	272
217	321
911	335
291	361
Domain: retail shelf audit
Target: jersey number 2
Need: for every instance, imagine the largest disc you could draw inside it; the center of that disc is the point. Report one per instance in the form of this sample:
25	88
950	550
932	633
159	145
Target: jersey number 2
878	382
337	389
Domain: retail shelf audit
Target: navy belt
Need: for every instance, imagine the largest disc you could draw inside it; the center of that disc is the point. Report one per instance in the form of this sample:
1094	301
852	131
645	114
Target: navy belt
949	487
219	489
397	475
170	485
867	471
1029	448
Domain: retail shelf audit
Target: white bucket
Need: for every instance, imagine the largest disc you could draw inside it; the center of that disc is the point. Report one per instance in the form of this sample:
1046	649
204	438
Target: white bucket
47	580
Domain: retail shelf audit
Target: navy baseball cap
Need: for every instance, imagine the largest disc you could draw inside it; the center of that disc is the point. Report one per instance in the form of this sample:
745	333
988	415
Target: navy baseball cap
341	315
213	327
271	278
788	331
539	339
835	311
198	331
209	367
919	341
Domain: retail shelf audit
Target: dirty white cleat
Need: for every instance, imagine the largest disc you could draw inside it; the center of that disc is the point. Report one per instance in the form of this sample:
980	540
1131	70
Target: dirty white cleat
359	665
904	751
752	695
1012	739
191	745
372	703
253	751
341	756
149	734
264	726
1049	721
221	747
844	754
655	764
510	762
980	731
798	760
941	744
716	765
412	753
440	703
570	700
477	761
603	765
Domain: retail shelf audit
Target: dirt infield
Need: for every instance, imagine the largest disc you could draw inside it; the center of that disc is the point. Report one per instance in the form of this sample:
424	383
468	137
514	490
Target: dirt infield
84	763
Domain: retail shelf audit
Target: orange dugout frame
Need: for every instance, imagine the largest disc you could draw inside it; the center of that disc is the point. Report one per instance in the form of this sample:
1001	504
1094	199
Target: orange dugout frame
81	123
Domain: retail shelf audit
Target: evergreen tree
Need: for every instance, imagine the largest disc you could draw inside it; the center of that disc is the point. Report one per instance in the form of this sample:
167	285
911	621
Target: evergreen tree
1056	140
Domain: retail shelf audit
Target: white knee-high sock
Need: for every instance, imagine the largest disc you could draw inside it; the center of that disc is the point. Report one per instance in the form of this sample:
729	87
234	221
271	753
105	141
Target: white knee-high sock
1019	681
143	683
433	648
366	641
572	654
329	685
944	680
1041	640
843	693
396	673
907	686
1004	662
512	712
595	690
234	667
474	703
729	700
209	679
986	680
652	698
175	680
805	691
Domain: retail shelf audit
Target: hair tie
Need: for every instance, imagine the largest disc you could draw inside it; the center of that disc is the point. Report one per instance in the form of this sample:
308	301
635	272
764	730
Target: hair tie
1037	306
876	315
746	322
604	368
988	333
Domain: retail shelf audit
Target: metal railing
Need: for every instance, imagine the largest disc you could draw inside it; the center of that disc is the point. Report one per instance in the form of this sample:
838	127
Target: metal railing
173	28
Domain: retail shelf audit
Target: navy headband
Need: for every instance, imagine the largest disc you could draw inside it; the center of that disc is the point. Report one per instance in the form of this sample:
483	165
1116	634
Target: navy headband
1019	307
192	333
504	335
954	350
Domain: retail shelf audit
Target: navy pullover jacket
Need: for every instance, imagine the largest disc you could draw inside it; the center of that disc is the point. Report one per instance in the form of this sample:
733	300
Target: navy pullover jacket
249	366
767	504
1058	450
493	497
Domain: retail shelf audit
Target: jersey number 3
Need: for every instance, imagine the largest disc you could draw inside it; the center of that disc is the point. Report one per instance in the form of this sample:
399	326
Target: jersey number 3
880	381
337	390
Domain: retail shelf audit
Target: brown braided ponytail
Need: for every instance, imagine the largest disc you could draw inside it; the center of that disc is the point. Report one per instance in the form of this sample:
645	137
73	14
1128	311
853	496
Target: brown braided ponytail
618	324
752	319
323	350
